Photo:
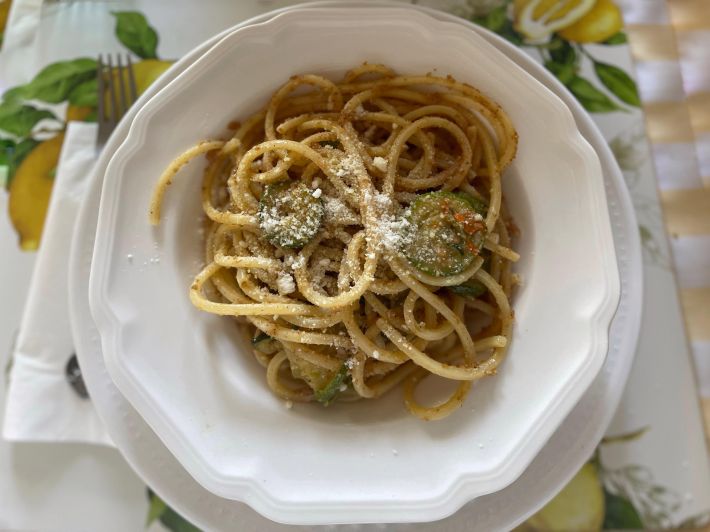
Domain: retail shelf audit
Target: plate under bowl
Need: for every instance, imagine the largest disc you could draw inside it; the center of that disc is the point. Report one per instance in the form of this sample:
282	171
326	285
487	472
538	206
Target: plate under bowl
189	374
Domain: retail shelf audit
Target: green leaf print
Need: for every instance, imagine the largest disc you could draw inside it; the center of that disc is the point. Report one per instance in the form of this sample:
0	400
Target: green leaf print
498	22
156	509
591	98
562	52
620	513
617	38
167	516
618	82
85	94
564	72
19	119
134	32
54	82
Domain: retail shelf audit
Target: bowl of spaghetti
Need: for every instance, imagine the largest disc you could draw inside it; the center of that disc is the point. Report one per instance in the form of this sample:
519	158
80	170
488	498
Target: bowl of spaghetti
360	233
366	288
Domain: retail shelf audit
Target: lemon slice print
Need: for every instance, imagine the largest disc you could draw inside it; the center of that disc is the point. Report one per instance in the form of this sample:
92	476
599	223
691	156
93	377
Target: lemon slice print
597	25
30	190
147	71
578	507
537	19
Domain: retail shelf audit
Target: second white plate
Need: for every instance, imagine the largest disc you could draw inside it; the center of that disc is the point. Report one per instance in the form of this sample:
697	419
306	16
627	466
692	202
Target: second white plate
191	376
550	470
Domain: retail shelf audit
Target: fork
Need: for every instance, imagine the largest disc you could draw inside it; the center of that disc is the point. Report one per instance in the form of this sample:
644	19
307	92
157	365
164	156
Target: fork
121	93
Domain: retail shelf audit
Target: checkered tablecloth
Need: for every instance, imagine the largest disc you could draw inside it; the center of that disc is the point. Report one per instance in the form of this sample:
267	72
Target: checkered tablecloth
670	41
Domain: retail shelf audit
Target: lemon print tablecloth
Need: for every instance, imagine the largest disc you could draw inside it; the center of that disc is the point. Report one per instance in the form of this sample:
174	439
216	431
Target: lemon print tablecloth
652	468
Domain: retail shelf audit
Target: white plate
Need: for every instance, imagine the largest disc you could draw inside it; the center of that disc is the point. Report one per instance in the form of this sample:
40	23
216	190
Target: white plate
202	429
208	402
571	445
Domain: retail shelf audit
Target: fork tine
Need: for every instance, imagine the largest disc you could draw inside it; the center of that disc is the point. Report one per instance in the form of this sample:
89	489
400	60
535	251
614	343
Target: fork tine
131	81
112	90
121	86
113	101
100	111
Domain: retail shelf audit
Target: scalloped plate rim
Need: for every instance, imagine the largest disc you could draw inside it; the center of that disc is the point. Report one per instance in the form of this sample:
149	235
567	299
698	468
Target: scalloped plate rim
105	319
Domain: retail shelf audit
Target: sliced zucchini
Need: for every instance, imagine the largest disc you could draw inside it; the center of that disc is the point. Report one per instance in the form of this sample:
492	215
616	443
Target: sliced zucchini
332	143
289	214
260	337
315	376
479	205
444	235
264	343
326	394
471	288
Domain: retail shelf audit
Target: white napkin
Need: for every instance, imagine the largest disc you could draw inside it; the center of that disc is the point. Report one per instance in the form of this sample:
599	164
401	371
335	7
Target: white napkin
41	404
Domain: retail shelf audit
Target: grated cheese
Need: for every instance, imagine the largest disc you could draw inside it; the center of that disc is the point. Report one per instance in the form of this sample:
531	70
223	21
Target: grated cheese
380	163
298	262
290	216
347	166
336	211
393	231
285	284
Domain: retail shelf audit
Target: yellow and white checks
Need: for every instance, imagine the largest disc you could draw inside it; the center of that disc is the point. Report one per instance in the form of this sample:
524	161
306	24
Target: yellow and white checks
670	42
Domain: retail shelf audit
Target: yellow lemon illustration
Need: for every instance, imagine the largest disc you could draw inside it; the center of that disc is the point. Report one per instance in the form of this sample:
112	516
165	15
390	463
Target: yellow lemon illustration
78	113
578	507
600	23
4	10
537	19
147	71
30	190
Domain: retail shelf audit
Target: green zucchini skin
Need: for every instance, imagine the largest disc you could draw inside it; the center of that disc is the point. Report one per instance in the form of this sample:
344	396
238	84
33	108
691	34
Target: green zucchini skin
445	232
290	215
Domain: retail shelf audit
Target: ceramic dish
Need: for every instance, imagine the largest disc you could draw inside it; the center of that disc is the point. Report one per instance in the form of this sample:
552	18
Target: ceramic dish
568	448
213	411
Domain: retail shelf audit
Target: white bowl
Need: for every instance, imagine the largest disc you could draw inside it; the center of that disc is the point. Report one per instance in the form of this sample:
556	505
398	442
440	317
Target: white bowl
189	374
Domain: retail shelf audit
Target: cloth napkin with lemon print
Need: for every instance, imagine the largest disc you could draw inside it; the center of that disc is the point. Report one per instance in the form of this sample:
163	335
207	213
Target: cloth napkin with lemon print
560	30
33	118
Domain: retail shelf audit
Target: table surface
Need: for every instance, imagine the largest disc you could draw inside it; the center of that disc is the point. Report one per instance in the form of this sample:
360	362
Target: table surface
670	42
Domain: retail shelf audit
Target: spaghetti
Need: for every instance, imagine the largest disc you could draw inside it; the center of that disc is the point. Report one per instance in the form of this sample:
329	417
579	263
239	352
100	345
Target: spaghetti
358	231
